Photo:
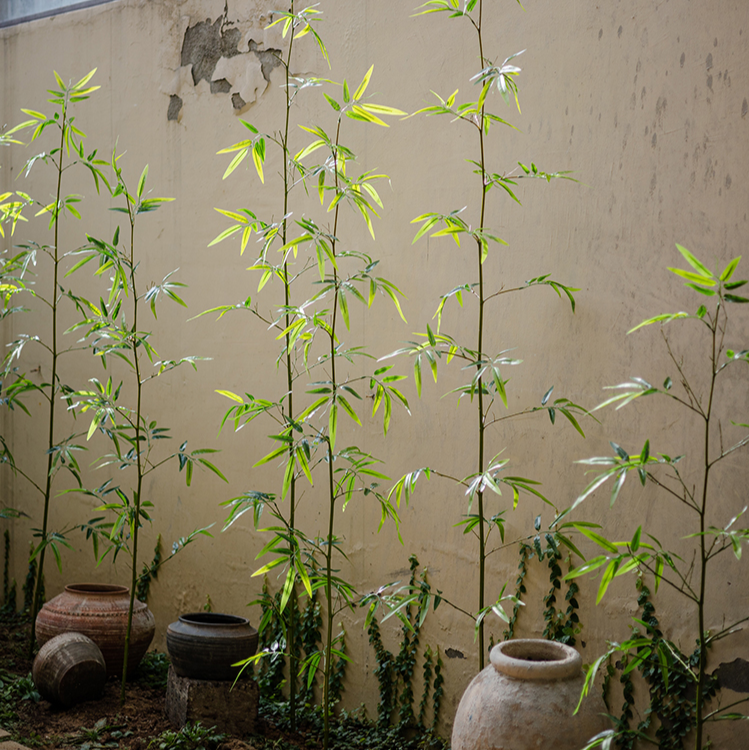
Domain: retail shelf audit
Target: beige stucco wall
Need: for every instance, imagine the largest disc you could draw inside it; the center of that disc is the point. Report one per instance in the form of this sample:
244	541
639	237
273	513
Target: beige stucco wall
645	100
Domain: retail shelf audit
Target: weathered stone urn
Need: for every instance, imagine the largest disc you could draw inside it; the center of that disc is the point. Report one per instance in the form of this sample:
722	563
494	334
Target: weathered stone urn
525	700
99	611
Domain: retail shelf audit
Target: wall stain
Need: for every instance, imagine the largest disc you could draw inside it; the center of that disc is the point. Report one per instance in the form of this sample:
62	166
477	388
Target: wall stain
453	653
744	108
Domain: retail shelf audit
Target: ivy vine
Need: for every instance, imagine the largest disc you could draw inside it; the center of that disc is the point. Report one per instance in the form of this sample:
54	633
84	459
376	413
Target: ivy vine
560	625
395	673
668	674
9	587
272	670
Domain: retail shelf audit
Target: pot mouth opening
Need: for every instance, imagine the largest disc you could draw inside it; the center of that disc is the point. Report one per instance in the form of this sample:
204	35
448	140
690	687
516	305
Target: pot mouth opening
536	659
212	618
536	651
97	588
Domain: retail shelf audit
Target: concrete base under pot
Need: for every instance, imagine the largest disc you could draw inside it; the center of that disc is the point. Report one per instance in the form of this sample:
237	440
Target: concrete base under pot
230	707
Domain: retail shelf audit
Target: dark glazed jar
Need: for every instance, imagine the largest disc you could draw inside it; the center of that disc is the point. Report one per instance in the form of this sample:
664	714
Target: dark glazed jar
99	611
204	645
69	669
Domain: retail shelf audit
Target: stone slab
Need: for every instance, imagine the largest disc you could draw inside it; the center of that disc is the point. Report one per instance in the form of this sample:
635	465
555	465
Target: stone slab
10	745
230	707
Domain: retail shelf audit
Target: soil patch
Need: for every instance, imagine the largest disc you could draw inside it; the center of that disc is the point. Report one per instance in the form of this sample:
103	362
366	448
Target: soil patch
103	723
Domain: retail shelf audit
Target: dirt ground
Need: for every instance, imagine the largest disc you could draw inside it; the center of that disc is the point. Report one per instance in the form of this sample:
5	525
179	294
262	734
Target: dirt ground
132	725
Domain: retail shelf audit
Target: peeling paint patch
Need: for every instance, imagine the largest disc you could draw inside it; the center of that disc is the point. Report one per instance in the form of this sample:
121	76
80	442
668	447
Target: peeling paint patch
734	675
205	43
175	107
453	653
220	53
269	59
221	86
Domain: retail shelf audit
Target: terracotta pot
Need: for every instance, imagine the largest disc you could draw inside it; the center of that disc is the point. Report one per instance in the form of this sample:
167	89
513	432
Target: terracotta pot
69	669
99	611
204	645
526	699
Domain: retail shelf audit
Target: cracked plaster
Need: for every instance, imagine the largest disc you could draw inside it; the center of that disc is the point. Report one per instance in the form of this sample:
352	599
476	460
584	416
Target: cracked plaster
226	57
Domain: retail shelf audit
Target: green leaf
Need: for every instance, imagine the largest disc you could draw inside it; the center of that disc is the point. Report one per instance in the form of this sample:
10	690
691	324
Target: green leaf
702	290
258	156
333	425
635	543
333	103
288	476
235	162
702	270
695	277
142	181
729	269
606	579
597	538
363	85
348	409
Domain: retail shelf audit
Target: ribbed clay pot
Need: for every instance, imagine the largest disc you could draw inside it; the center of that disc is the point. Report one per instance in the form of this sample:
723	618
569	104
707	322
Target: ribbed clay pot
204	645
69	669
525	700
99	611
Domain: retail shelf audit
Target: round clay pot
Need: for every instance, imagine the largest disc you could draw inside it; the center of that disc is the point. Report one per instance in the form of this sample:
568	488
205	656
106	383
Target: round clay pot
99	611
69	669
525	700
204	645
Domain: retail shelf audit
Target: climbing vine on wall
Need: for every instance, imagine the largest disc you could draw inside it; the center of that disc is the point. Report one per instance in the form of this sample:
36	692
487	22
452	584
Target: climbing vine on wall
272	670
670	685
560	624
395	672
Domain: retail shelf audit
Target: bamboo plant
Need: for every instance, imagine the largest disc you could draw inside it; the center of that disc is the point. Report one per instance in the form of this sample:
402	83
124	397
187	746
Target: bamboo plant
690	484
311	332
17	282
486	389
296	25
118	410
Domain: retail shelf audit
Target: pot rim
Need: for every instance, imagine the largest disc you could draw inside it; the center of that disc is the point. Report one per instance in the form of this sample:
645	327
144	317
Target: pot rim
97	589
536	659
213	620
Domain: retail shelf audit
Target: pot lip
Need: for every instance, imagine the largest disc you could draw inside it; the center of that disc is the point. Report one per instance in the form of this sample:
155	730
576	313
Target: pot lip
97	589
536	659
214	620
